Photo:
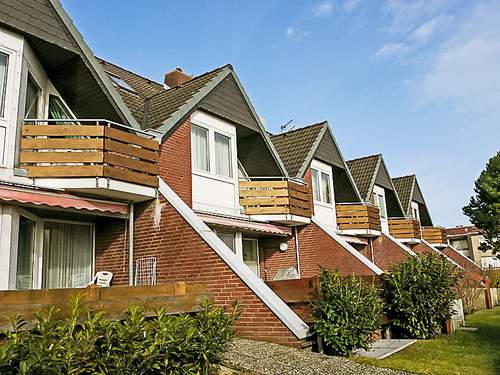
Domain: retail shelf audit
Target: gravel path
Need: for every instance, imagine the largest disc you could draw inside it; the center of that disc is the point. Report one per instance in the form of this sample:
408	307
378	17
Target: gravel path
271	359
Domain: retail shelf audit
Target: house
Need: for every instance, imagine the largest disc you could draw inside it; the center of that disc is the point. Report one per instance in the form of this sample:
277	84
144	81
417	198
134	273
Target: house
311	154
387	244
157	181
466	240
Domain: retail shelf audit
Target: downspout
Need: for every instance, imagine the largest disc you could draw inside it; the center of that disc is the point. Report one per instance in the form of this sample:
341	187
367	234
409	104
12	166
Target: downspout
371	250
297	250
131	243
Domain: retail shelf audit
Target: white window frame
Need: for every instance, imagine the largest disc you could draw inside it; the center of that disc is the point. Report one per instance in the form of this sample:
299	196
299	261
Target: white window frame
38	246
322	168
414	209
238	245
379	193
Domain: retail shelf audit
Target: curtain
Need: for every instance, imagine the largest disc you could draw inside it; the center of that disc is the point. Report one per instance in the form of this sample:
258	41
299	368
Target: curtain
24	274
250	254
223	155
4	62
228	239
199	145
316	187
327	194
67	255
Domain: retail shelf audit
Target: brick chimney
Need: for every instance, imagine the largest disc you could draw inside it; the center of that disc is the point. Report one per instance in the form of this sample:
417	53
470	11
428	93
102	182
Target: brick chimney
176	77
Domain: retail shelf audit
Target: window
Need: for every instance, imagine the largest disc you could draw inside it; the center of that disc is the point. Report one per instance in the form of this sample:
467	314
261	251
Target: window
32	95
67	255
460	244
379	201
4	63
322	188
415	213
199	145
316	185
25	251
228	239
223	165
326	188
250	254
57	109
120	82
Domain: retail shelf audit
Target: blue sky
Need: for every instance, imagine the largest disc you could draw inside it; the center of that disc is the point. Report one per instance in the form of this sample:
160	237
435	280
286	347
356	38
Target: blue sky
418	81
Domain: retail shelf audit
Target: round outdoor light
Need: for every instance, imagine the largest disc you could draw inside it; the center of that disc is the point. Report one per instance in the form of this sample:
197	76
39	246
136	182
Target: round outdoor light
283	246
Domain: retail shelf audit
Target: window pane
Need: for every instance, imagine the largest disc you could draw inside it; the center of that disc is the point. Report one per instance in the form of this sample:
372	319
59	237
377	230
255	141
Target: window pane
460	244
251	254
223	155
4	62
228	239
199	147
381	207
325	184
316	187
67	255
57	109
32	95
24	275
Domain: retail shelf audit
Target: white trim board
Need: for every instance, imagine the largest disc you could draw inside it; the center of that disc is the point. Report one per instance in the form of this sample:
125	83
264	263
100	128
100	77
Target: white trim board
269	298
372	266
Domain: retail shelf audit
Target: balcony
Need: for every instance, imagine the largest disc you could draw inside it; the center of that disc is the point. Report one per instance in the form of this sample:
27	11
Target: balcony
435	236
90	156
405	229
283	201
359	219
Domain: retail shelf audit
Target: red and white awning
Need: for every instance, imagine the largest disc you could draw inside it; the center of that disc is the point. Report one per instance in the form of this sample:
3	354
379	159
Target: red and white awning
246	225
50	199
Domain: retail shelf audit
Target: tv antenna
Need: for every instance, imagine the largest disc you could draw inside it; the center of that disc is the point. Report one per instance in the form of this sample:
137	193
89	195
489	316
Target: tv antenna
283	127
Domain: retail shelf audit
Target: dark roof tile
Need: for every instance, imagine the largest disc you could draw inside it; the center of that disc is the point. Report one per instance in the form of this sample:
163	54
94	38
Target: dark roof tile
363	172
404	188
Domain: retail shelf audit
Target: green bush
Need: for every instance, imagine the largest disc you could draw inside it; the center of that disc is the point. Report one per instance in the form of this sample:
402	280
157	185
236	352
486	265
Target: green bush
346	313
418	294
86	343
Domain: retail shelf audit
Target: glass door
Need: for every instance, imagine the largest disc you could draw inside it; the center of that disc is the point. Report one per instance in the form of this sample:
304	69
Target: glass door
250	252
25	254
68	252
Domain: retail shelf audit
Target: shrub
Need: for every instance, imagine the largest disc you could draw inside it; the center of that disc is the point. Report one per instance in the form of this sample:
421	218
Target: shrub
346	313
86	343
469	289
418	295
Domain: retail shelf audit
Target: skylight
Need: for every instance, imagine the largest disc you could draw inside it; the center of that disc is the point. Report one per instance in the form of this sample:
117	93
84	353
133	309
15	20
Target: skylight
120	82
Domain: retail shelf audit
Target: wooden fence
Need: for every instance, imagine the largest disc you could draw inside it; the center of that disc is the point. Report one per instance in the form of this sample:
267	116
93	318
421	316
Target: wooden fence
358	216
176	298
435	235
404	228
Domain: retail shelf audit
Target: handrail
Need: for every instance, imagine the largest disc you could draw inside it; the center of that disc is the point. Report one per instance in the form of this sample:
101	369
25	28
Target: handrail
93	120
368	204
278	178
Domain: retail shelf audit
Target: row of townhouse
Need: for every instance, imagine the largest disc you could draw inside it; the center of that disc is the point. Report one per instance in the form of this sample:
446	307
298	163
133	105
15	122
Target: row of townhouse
105	170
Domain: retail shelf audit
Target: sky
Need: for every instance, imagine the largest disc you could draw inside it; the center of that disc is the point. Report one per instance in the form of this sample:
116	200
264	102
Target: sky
417	81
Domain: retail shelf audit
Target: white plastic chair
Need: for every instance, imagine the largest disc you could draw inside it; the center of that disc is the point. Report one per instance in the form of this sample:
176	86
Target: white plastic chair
102	279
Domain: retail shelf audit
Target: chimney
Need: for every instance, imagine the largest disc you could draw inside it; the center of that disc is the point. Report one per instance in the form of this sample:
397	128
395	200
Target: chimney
176	77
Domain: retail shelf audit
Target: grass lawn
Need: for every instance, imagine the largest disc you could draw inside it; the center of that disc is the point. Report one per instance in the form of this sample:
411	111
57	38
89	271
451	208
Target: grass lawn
471	353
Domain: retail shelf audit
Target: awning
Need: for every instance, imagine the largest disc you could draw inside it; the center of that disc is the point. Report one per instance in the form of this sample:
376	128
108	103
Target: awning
355	240
59	200
246	225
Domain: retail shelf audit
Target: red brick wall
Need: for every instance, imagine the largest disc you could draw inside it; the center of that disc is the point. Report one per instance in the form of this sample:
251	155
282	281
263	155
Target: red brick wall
182	255
385	252
111	249
422	248
272	260
175	162
462	260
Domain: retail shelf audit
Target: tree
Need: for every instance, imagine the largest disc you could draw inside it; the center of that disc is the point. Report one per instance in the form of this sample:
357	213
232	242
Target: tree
484	208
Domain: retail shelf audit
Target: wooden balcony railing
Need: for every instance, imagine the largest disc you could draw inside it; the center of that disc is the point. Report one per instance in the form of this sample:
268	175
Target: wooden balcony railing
405	228
435	235
95	149
355	216
270	197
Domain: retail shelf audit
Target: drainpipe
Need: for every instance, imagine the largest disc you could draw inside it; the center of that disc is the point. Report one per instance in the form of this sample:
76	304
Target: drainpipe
371	250
131	243
297	250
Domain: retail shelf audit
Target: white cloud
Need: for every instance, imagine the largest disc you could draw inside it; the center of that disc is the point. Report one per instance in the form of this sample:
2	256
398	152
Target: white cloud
391	50
324	9
350	5
290	31
295	34
404	16
423	33
465	69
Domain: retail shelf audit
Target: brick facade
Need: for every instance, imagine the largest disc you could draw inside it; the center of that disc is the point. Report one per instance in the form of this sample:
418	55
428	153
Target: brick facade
111	249
422	248
384	252
463	261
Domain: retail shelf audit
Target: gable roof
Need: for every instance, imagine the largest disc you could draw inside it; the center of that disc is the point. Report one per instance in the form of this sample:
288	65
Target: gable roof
408	190
296	147
163	109
66	58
